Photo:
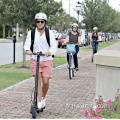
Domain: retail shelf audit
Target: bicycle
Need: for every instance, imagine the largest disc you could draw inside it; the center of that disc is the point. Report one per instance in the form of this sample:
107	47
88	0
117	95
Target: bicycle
34	109
71	51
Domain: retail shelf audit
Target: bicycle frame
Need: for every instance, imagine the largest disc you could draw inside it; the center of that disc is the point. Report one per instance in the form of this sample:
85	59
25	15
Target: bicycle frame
71	51
73	65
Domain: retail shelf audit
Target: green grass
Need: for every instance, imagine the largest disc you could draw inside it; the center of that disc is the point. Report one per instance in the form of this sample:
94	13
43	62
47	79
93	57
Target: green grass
11	74
101	45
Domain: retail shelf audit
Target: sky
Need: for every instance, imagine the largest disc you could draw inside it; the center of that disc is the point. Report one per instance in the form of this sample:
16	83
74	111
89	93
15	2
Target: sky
113	3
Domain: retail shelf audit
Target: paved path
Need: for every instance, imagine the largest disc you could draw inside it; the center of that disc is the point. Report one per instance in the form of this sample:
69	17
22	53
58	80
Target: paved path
65	99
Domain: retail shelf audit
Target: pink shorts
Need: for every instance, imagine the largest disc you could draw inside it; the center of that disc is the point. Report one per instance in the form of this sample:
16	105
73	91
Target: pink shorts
45	67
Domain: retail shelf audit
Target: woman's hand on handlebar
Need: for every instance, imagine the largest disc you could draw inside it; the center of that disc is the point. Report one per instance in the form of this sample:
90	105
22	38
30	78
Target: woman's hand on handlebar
48	54
29	52
63	43
79	43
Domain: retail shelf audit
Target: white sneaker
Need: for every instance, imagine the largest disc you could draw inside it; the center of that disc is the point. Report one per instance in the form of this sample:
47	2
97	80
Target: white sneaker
43	102
40	104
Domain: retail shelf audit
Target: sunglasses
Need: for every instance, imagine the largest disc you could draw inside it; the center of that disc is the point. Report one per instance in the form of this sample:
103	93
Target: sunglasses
40	22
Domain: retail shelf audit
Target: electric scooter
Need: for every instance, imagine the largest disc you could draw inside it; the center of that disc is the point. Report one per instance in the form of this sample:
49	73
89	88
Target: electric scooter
34	109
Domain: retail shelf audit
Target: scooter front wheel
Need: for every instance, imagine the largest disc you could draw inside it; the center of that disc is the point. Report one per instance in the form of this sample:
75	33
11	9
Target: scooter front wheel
34	114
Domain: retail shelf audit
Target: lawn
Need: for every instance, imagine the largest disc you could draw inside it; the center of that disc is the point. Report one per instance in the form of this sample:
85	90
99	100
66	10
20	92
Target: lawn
11	74
101	45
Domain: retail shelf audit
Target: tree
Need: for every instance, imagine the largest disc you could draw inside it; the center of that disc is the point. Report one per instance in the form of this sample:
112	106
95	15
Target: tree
23	12
99	13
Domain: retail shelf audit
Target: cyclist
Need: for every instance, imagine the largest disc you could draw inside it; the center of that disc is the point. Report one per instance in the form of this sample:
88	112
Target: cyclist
73	38
95	40
46	62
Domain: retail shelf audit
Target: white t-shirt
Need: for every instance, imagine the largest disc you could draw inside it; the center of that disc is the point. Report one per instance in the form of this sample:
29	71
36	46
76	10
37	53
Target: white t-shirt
41	44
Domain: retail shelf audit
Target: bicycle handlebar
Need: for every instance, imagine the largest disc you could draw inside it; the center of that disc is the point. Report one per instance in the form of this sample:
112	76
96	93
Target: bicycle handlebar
71	43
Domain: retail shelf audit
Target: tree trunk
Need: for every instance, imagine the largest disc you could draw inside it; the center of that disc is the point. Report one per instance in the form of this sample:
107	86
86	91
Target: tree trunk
9	31
24	38
50	27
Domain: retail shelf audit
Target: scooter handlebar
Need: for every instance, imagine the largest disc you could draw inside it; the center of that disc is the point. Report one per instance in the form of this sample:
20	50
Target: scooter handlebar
39	53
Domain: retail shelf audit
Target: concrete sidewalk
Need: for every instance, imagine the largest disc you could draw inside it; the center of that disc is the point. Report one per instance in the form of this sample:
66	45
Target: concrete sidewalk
65	99
8	40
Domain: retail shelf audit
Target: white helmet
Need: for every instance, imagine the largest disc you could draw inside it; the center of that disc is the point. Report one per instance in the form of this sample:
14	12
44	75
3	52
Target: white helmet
41	16
95	28
74	24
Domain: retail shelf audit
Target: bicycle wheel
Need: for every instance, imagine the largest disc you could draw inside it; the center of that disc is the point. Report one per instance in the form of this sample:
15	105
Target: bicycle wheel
70	69
92	59
73	72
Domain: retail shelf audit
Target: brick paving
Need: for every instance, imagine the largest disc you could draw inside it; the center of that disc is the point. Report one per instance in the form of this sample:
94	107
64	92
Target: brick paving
65	99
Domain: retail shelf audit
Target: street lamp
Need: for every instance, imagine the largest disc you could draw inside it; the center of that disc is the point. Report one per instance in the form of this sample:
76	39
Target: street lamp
78	8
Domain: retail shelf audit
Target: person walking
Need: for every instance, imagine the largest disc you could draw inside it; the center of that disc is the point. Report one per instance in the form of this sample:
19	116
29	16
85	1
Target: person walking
95	40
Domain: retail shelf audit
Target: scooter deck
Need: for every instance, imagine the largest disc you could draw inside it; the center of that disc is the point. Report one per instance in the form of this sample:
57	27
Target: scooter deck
40	110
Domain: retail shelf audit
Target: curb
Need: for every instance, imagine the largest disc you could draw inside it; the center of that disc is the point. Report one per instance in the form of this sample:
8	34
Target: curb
108	46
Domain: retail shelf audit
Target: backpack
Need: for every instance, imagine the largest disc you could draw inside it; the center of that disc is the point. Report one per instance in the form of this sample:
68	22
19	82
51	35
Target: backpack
33	37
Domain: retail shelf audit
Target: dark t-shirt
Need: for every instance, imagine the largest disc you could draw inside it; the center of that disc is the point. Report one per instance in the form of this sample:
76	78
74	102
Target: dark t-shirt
73	39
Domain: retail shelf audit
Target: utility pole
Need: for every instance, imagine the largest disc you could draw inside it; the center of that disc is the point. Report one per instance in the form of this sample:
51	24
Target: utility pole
69	7
78	8
70	11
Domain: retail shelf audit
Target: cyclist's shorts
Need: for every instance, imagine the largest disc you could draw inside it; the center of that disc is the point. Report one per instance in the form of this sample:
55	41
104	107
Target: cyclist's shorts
45	67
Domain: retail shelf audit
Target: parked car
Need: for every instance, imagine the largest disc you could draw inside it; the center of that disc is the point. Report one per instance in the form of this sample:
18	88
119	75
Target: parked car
118	35
64	32
82	33
69	30
56	34
100	37
59	35
61	40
